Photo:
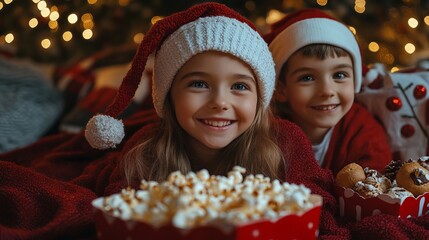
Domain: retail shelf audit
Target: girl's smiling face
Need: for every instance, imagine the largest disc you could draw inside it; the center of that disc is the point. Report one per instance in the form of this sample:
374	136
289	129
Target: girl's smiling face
215	98
319	92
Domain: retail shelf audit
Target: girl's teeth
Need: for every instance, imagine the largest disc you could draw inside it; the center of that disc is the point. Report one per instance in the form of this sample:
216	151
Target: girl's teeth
217	123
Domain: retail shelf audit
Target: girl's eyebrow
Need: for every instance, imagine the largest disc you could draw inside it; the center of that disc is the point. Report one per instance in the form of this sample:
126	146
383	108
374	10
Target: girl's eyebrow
245	76
196	73
236	76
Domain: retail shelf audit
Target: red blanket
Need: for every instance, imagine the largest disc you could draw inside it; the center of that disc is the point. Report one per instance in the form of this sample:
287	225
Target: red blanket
46	189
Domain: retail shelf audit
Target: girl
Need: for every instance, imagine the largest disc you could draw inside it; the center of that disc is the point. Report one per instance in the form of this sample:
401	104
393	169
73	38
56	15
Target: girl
319	69
213	80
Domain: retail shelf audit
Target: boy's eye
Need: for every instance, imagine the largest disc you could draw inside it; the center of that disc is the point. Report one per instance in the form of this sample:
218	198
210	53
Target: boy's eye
198	84
306	78
340	75
239	86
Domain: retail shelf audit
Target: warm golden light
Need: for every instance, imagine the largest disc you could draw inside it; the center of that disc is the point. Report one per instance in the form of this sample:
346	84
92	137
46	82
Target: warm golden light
7	1
373	47
54	16
45	12
359	9
53	25
33	22
353	30
9	38
155	19
41	5
409	48
138	38
360	6
322	2
86	17
87	34
46	43
67	36
72	18
124	3
426	19
88	24
413	23
394	69
92	1
273	16
1	5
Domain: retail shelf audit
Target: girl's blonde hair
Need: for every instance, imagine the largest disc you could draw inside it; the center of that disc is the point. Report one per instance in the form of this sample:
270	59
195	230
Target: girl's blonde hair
256	150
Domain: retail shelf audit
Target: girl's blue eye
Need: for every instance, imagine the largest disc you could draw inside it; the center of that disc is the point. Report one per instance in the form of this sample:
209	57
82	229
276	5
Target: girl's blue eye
240	86
198	84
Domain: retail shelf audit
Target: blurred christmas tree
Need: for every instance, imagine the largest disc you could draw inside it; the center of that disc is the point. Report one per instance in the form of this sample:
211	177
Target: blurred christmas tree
391	32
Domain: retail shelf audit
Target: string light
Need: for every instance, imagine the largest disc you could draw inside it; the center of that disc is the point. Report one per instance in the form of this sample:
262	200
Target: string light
87	34
413	23
273	16
373	47
393	34
33	23
322	2
9	38
410	48
67	36
46	43
138	38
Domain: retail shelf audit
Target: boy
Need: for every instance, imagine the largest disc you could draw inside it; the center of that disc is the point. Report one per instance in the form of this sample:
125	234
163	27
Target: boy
319	68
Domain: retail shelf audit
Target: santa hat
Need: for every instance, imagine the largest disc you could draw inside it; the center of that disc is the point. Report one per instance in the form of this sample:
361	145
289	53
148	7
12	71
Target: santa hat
312	26
174	40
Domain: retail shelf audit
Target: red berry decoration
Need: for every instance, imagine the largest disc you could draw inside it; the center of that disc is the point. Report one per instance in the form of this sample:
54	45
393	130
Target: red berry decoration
407	131
393	103
419	91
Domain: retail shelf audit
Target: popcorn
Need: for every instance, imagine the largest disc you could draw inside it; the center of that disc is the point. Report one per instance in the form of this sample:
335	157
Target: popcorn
199	198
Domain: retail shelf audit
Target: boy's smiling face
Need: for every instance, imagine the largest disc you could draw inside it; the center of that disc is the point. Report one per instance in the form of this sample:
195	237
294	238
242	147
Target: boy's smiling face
319	92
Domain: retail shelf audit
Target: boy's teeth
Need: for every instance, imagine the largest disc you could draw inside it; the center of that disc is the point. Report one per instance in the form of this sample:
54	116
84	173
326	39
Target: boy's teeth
217	123
325	108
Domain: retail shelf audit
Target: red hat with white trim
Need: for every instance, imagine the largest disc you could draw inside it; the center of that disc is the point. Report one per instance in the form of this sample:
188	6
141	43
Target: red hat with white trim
173	41
312	26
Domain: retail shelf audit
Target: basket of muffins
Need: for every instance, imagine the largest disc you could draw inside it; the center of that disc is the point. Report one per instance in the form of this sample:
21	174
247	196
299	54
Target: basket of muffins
198	205
402	190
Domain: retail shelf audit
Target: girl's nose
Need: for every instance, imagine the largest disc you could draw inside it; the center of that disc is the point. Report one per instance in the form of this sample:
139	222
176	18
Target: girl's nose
219	101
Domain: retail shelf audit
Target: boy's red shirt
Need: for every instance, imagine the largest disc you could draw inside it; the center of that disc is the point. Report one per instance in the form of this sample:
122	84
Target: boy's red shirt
358	138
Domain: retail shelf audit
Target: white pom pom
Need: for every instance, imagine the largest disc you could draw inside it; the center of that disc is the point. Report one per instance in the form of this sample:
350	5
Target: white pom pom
104	132
370	76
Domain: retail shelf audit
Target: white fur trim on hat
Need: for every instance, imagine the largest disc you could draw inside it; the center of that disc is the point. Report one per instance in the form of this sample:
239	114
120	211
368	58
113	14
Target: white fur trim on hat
313	31
103	132
212	33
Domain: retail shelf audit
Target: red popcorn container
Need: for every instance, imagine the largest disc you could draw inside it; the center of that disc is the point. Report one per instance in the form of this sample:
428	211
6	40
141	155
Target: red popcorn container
302	226
353	206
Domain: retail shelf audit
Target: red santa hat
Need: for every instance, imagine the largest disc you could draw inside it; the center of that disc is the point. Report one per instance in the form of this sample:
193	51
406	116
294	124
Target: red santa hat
312	26
174	40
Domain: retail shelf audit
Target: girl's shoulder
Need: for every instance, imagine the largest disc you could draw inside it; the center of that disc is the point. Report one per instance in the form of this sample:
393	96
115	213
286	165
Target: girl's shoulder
141	134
